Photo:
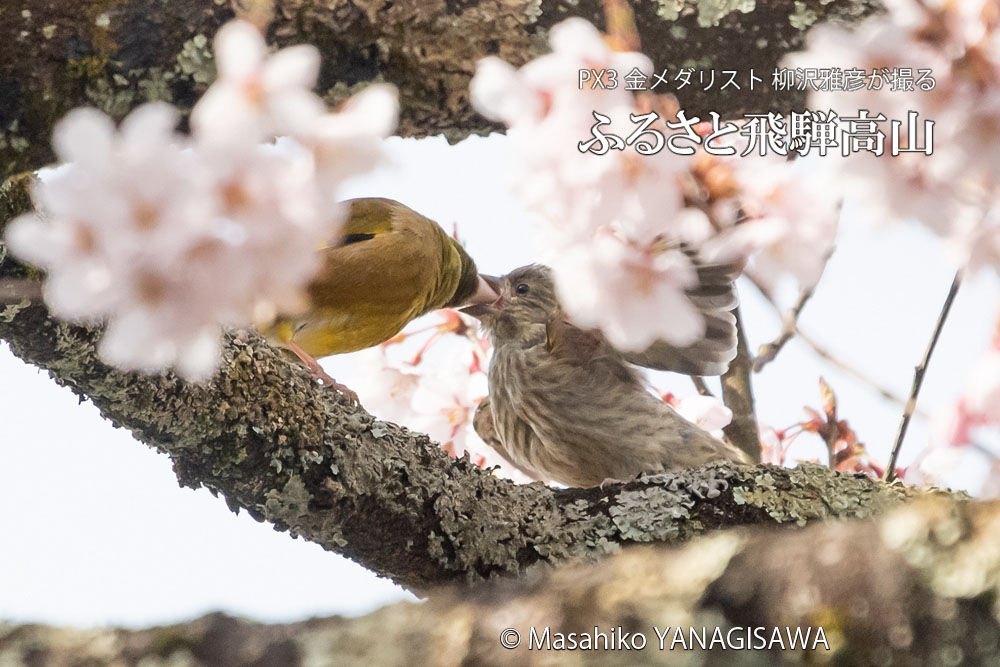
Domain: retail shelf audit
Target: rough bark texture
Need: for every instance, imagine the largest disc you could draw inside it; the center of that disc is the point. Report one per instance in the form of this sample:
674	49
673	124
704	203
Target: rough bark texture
916	588
116	54
267	438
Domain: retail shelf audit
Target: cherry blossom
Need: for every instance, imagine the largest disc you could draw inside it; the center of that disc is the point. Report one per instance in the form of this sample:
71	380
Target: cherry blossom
983	389
772	445
445	401
138	229
257	96
385	388
789	218
979	404
609	217
438	397
708	412
168	239
634	295
350	141
951	191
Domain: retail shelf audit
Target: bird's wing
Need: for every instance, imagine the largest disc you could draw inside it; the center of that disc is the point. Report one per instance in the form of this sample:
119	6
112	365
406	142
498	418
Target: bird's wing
569	343
368	218
715	298
482	422
380	262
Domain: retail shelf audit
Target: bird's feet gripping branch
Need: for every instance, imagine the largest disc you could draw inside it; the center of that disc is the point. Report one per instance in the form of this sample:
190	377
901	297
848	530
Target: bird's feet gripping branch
321	375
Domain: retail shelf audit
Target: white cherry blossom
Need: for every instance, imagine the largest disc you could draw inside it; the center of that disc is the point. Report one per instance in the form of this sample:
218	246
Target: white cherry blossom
168	239
256	95
606	213
634	295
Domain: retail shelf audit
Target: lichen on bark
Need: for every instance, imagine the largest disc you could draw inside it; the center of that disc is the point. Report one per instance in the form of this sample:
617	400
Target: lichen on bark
117	55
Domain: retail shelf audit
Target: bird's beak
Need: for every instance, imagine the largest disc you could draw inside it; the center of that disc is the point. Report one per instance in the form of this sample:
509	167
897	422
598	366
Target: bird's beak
487	298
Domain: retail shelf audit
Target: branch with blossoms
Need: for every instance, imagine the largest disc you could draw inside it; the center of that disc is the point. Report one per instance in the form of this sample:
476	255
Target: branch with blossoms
266	437
272	442
617	211
169	239
117	56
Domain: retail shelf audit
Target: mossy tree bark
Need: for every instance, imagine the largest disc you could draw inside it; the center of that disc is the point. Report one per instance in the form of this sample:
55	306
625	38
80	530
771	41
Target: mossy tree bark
271	441
115	55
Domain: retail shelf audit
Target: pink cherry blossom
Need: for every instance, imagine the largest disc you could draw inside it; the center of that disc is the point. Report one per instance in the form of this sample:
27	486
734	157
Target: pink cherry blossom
445	401
636	296
386	389
168	239
953	190
708	412
982	393
790	219
165	245
256	96
606	213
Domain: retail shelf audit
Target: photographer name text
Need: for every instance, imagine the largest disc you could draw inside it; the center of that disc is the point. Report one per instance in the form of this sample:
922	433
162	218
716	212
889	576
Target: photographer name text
670	638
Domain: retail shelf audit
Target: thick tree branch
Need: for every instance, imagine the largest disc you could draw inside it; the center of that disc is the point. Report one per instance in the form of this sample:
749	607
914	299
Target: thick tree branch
917	588
115	55
274	443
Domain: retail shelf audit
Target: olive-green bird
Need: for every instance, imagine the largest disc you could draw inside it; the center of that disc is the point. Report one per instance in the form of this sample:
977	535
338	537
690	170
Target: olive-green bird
390	266
565	406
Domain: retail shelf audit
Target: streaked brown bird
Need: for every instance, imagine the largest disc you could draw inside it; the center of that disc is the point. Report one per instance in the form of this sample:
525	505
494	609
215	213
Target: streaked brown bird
565	406
389	266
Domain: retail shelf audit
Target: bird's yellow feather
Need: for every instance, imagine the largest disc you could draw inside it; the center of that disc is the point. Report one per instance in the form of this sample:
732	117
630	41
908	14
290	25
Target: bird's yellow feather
390	266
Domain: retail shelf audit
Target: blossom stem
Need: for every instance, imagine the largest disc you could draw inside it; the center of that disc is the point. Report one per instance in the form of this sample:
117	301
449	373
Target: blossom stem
789	328
828	356
918	378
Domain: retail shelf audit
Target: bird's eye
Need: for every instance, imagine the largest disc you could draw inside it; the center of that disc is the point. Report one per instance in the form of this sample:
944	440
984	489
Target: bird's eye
522	288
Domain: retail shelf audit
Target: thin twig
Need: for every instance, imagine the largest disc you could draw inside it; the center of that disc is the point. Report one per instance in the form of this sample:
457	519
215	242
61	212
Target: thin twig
828	356
16	291
825	354
918	378
699	384
790	325
737	394
790	320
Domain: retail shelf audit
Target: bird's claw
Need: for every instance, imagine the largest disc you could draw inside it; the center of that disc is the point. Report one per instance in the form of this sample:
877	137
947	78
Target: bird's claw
329	382
611	480
321	375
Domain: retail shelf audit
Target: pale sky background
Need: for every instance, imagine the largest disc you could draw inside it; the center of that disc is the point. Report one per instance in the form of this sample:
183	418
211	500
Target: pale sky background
95	529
